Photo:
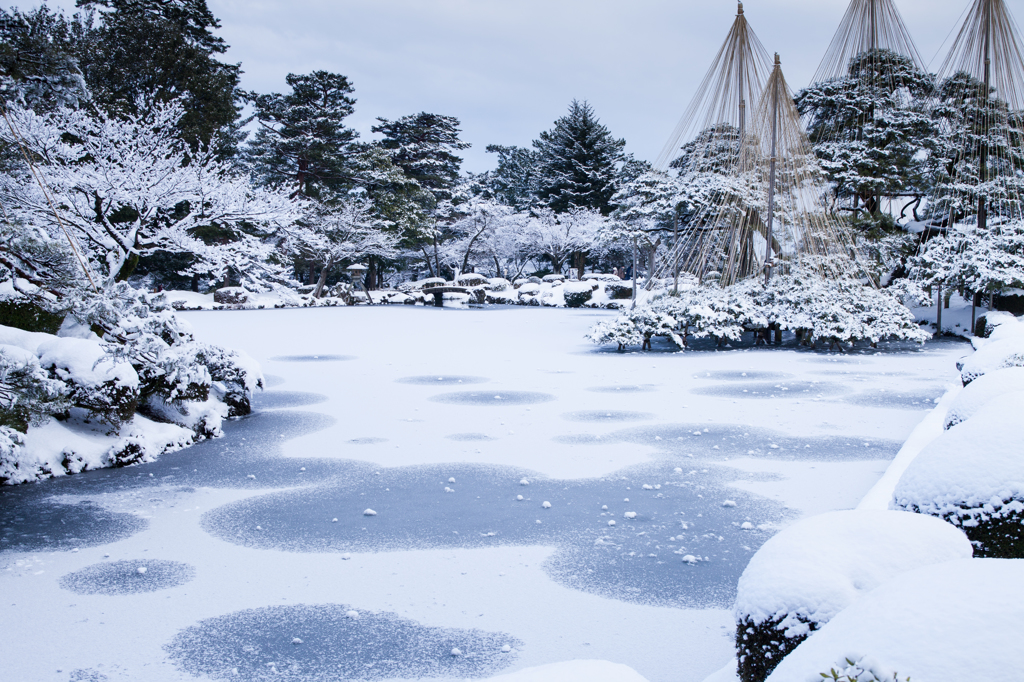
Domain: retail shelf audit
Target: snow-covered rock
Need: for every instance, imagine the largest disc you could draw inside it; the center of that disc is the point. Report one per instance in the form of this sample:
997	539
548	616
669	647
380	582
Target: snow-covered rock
982	391
995	355
959	620
801	578
973	477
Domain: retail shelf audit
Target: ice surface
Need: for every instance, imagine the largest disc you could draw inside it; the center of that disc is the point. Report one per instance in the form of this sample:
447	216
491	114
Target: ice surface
623	389
441	380
497	398
607	416
311	358
128	577
469	437
574	671
256	644
793	390
275	400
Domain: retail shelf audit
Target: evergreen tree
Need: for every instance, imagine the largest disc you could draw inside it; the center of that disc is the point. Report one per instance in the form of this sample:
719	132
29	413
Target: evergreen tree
578	161
513	182
302	141
38	64
424	146
145	52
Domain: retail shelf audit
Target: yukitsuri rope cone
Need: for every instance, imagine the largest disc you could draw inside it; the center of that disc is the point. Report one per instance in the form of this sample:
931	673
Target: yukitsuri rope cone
756	165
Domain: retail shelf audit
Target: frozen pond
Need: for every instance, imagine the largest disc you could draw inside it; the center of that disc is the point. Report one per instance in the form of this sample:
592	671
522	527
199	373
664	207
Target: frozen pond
479	482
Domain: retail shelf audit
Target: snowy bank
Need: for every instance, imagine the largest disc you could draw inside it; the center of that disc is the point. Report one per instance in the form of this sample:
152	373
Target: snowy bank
960	620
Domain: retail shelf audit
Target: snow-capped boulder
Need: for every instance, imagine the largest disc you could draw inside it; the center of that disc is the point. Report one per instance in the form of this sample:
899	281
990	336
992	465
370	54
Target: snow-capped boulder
992	320
804	576
231	296
499	284
959	620
983	391
470	279
553	279
578	293
973	477
529	289
992	356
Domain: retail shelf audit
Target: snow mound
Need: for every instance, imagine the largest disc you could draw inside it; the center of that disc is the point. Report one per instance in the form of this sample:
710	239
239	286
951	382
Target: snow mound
982	391
960	620
973	475
574	671
820	565
991	357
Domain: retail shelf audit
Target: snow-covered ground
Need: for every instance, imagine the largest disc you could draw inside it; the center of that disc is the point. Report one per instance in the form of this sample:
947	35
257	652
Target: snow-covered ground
647	481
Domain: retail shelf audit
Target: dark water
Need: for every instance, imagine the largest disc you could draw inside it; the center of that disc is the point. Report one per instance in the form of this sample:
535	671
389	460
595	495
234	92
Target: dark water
125	577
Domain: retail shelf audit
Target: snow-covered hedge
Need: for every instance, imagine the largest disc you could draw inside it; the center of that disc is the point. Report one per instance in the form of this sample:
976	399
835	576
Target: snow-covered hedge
994	355
804	576
146	369
958	620
834	311
982	391
973	476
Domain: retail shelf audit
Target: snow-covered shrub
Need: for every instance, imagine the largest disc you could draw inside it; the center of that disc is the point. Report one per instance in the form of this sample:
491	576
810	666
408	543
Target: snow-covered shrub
982	391
529	289
232	296
470	279
973	477
862	670
553	279
107	387
600	277
12	443
957	620
499	284
993	319
620	331
804	576
992	357
618	290
578	293
28	394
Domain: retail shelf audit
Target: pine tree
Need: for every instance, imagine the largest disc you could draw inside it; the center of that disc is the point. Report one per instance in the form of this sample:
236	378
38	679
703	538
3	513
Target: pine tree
424	146
302	141
871	128
145	52
577	162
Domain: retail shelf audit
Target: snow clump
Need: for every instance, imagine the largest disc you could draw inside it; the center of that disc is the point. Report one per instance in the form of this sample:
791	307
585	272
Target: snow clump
983	391
369	512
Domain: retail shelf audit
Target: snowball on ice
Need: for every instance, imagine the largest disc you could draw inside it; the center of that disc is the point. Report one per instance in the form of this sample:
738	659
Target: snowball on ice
973	464
690	559
354	615
611	523
728	503
992	357
546	505
524	482
369	512
820	565
982	391
451	480
456	652
630	515
519	498
141	570
296	640
958	620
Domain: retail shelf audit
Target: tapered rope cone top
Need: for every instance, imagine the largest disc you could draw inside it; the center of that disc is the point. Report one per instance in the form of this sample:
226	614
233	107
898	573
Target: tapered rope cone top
869	27
980	104
731	87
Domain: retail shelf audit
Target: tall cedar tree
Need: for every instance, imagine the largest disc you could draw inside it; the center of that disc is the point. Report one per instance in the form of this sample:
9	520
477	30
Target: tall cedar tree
577	162
143	52
302	141
424	146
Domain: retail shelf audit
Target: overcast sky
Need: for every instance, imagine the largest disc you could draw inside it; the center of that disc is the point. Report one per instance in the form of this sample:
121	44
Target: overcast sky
508	68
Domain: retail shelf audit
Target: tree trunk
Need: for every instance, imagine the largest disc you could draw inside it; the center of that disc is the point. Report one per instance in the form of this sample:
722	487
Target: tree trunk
497	265
371	274
319	291
130	263
195	283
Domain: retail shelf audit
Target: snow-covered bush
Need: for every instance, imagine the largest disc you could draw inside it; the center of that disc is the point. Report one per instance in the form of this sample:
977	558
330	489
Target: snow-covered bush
804	576
992	357
982	391
957	620
973	477
28	394
620	331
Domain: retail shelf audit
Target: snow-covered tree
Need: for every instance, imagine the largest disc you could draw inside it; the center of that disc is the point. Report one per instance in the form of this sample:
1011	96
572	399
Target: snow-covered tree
302	142
118	188
424	146
556	236
332	234
38	63
513	182
577	162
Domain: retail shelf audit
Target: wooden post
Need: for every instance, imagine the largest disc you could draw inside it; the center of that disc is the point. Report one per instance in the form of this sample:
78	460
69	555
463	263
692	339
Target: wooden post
675	244
938	321
633	304
777	77
983	165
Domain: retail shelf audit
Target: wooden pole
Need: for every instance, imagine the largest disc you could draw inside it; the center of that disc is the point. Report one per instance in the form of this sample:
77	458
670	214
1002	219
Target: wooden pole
983	166
777	77
938	320
633	304
675	249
